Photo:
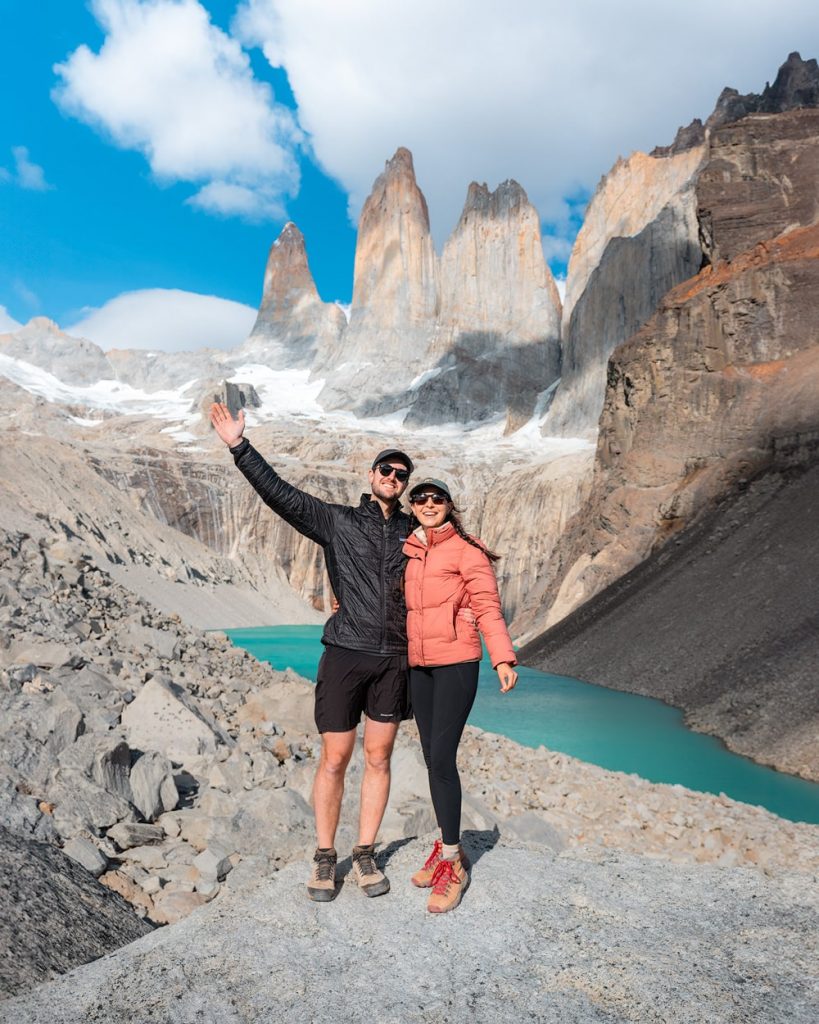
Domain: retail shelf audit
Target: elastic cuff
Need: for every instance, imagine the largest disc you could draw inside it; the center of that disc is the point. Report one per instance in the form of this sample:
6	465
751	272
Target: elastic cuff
240	447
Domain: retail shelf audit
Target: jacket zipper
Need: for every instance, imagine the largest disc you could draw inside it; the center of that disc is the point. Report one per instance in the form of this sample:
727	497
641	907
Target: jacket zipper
383	587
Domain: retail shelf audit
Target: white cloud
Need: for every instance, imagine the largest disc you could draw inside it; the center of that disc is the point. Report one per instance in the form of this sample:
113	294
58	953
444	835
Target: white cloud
560	283
237	200
549	94
166	319
7	323
168	83
26	174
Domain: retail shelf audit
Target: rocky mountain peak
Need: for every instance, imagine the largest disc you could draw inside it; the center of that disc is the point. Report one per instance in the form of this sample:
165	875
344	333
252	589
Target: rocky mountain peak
38	325
293	321
796	85
395	261
287	277
507	198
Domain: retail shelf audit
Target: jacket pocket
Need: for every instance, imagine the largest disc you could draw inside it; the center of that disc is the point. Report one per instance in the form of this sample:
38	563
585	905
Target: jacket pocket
440	621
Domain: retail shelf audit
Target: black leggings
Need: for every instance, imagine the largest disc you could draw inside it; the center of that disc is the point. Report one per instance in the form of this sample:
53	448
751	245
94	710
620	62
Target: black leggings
442	698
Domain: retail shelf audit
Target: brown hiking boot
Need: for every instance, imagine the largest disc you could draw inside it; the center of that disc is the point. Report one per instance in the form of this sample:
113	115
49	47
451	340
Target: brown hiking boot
423	878
371	880
449	883
322	884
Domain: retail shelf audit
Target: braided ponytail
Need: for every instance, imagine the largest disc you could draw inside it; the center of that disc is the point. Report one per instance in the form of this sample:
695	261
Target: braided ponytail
456	522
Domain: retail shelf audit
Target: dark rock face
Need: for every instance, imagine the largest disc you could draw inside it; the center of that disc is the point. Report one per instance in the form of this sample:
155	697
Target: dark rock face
757	178
721	622
54	915
760	180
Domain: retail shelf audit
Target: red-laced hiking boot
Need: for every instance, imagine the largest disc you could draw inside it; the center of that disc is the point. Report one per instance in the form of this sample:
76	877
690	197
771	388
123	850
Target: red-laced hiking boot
449	883
423	878
322	884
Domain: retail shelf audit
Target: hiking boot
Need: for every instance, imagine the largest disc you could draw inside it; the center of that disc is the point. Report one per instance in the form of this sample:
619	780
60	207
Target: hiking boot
322	884
449	883
371	880
423	878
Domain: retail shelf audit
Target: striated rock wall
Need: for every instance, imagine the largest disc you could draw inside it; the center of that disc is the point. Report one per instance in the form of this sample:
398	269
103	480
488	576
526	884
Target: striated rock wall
760	180
639	238
747	174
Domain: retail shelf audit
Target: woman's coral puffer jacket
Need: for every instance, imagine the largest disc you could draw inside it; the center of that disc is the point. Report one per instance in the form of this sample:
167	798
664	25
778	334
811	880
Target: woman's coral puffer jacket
442	577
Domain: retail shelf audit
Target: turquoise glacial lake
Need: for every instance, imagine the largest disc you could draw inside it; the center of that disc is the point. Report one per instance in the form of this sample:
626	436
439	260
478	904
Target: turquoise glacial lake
619	731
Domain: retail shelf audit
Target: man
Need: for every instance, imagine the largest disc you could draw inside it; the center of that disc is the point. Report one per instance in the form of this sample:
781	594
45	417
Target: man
364	665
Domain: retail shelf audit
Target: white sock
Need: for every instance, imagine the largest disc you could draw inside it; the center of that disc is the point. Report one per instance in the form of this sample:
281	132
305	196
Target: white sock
450	852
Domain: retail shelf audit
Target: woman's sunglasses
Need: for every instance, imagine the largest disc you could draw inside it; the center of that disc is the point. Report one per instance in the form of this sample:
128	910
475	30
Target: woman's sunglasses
401	475
422	499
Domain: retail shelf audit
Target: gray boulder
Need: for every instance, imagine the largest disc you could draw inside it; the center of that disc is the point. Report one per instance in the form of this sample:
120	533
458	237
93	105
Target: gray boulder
166	718
106	759
80	805
127	834
152	785
85	853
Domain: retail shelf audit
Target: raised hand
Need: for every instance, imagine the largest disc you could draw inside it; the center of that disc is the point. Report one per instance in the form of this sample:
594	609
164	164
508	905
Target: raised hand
507	675
228	428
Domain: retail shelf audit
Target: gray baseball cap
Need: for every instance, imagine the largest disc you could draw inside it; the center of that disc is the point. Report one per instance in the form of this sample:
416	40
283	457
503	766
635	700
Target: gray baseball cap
430	481
393	453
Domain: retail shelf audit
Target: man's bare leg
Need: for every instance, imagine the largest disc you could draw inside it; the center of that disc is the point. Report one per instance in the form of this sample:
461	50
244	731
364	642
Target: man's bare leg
379	739
328	785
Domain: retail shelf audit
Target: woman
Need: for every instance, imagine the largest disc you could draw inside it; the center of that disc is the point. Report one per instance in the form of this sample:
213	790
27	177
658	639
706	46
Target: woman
447	572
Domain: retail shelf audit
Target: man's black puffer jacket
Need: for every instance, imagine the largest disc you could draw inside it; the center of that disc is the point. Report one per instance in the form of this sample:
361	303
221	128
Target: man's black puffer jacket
363	552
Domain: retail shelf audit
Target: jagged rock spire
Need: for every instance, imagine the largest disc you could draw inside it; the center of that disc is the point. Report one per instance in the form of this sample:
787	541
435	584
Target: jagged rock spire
395	274
293	322
287	277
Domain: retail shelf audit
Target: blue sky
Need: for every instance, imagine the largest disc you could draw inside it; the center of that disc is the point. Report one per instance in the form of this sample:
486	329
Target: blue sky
111	184
105	226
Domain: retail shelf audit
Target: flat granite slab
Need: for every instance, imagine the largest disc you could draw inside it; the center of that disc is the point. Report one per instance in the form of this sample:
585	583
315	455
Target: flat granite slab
538	937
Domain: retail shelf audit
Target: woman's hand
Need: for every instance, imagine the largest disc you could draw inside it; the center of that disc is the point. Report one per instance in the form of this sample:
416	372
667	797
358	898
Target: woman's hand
228	428
507	675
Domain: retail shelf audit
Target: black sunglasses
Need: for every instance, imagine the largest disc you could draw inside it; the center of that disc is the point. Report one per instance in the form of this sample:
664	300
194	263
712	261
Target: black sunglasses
422	499
401	475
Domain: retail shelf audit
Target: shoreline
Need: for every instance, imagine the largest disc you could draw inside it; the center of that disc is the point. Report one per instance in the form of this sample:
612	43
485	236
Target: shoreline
533	746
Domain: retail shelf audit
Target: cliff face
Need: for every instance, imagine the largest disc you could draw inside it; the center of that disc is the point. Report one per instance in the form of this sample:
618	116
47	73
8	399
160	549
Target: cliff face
760	180
693	403
497	344
293	323
639	238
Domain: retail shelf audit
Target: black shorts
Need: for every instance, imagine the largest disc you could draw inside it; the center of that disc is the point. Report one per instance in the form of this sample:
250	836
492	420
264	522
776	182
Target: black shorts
350	682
